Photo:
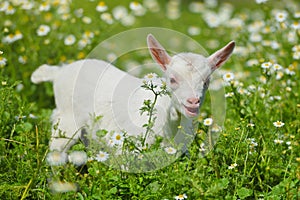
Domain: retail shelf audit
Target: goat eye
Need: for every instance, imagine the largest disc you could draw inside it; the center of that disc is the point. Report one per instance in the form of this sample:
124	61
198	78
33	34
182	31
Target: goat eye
173	81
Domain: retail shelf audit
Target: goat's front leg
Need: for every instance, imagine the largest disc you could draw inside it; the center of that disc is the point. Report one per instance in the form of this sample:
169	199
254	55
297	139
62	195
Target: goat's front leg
65	132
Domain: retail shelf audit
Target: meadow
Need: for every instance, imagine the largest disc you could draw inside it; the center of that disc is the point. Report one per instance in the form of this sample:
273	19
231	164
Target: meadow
257	153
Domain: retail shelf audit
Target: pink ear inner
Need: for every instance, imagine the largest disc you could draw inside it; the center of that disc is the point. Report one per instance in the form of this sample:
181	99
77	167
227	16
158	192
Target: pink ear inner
158	53
218	58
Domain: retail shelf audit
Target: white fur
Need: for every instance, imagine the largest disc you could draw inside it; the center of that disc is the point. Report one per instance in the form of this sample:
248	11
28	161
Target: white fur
90	87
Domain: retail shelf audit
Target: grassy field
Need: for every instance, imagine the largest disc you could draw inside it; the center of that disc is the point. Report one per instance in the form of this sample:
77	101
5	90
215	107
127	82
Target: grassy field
257	155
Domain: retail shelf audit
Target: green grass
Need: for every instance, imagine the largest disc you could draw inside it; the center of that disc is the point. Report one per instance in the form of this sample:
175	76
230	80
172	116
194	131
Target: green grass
265	169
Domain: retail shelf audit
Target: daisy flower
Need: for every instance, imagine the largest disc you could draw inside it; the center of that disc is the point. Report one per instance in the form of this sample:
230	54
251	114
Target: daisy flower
297	14
128	20
102	156
86	20
69	40
107	18
135	5
229	94
181	197
119	12
78	158
150	77
232	166
10	10
43	30
278	124
118	138
208	121
2	61
101	7
296	25
83	43
44	6
62	187
155	82
88	34
56	158
277	141
281	16
277	67
194	30
260	1
170	150
228	77
22	59
202	147
266	65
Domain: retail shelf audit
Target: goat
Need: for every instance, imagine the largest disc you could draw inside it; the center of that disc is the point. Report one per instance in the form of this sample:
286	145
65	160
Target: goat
91	86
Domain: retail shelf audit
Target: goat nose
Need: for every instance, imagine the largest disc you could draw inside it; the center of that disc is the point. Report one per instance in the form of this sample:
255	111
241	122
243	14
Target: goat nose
193	101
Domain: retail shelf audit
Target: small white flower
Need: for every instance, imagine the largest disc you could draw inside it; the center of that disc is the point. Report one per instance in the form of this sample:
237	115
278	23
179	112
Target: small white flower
18	35
22	59
202	147
10	10
228	77
232	166
281	16
194	30
2	61
102	156
44	6
101	7
119	12
86	20
128	20
83	42
78	158
56	158
277	141
135	6
150	77
278	124
229	94
252	62
170	150
19	88
250	125
277	67
32	116
118	138
208	121
297	14
62	187
43	30
260	1
155	81
296	25
255	37
107	18
88	35
70	40
266	65
181	197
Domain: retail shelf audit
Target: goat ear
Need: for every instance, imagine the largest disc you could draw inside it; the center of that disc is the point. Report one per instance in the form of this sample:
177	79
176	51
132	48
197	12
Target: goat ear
157	52
218	58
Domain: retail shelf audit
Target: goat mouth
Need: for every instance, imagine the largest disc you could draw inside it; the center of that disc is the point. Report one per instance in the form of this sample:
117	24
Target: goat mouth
191	111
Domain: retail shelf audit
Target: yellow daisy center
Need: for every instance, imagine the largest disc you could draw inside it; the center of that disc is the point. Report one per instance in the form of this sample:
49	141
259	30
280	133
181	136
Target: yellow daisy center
118	137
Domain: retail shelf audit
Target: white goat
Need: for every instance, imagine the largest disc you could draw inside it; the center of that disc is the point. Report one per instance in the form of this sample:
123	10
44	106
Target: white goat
88	87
